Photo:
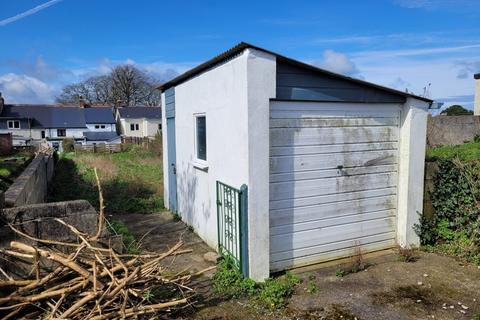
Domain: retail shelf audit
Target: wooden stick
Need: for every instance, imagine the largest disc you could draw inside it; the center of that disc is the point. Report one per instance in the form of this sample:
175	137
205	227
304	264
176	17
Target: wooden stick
101	214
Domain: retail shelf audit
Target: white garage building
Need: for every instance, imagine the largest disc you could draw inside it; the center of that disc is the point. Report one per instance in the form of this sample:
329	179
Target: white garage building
280	164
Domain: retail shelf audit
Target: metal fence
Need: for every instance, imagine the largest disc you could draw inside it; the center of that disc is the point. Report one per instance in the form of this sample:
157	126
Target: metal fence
232	224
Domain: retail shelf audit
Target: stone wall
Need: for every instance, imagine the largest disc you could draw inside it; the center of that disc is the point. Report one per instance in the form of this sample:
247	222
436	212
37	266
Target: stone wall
451	130
32	185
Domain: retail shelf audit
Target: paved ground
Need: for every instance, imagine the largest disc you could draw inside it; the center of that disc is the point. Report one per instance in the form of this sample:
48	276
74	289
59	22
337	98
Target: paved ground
159	232
434	287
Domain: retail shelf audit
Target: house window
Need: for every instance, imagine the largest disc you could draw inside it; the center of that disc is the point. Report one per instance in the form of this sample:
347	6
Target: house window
132	127
13	124
43	134
136	126
201	137
160	126
102	126
97	126
61	132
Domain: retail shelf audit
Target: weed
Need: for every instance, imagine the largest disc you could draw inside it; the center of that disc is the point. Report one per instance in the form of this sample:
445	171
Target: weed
68	145
275	291
176	216
129	241
228	281
408	254
355	265
312	287
272	294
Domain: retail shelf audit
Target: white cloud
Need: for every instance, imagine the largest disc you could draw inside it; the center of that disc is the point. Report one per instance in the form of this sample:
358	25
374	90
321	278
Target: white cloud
29	12
20	88
337	62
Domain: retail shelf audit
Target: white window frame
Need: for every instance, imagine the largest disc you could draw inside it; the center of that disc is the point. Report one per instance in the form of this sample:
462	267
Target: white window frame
12	122
65	129
199	163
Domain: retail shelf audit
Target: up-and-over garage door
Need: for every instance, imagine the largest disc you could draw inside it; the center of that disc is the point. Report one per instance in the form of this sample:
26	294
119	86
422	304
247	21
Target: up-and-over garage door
333	180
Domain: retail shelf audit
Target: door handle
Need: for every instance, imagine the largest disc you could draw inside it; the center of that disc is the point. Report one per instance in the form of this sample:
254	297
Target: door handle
174	168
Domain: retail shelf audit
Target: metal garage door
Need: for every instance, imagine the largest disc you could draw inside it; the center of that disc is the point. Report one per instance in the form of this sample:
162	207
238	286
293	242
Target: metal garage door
333	180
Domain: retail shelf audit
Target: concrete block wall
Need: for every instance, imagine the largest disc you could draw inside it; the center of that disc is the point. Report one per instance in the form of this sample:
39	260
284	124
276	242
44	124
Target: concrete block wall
451	130
32	185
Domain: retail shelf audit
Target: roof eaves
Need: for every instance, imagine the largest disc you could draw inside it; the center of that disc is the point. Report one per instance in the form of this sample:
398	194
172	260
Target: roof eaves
244	45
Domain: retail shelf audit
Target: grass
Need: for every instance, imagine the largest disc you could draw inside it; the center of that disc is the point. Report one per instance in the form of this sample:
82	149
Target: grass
466	152
130	243
12	166
132	181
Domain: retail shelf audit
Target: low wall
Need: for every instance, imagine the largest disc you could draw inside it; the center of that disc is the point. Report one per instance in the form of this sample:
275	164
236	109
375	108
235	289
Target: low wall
451	130
37	220
32	185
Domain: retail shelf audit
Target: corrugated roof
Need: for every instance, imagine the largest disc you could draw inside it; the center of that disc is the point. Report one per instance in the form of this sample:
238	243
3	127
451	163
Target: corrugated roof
99	115
45	116
140	112
243	45
100	136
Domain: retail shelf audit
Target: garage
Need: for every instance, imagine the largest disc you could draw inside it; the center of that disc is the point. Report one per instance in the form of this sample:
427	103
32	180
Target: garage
279	164
333	180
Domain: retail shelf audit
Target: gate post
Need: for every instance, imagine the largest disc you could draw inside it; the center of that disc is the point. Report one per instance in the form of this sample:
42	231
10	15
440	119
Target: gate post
243	216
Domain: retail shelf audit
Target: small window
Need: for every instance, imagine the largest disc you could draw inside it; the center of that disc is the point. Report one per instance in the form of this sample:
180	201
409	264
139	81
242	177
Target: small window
102	126
43	134
132	127
13	124
136	126
201	137
61	132
97	126
160	126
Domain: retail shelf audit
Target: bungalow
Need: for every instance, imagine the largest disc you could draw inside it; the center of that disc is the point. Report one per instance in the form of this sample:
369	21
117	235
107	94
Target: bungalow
280	164
101	126
32	123
143	122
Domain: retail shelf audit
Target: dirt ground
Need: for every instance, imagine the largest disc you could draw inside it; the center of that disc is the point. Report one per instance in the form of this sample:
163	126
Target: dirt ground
433	287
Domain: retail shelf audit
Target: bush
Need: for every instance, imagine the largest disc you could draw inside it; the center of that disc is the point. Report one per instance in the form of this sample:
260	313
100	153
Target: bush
455	226
68	145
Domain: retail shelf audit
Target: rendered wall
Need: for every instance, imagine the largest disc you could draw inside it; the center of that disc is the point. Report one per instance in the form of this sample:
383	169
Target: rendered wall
220	94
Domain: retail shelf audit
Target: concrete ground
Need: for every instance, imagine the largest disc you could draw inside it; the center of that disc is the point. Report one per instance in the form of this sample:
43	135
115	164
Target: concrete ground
433	287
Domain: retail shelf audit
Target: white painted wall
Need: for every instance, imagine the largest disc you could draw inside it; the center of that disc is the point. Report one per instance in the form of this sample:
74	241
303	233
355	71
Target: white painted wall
413	129
261	79
221	94
109	127
477	97
146	127
165	156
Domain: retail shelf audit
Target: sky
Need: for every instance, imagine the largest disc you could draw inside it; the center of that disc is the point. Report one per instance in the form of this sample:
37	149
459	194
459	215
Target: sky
428	47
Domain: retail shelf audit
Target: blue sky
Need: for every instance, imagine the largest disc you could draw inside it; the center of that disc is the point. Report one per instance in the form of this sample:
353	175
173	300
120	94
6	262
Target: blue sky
397	43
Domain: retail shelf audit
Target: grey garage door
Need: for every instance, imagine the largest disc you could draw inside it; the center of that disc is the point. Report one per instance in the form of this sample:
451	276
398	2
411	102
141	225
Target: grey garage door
333	180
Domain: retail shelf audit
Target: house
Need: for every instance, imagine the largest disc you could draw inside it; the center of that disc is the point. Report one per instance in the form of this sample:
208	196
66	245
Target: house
101	126
32	123
280	164
143	122
476	108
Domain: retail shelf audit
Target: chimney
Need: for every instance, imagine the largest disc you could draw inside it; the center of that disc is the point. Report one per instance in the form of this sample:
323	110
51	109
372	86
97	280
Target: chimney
477	95
2	102
82	102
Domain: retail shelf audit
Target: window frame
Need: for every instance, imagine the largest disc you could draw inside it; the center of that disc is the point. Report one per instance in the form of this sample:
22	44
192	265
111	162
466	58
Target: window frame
13	122
64	130
196	116
132	126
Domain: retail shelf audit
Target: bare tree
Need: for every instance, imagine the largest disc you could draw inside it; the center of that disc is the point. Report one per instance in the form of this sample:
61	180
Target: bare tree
125	84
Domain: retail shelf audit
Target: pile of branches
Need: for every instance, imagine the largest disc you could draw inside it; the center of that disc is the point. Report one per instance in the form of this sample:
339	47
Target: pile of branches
88	281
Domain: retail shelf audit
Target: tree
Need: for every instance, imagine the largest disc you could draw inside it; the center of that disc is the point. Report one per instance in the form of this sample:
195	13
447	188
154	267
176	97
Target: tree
125	84
456	110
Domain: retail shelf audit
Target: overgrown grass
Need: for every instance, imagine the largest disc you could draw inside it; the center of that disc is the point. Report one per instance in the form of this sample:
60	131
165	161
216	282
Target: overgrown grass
465	152
271	294
130	243
131	180
12	166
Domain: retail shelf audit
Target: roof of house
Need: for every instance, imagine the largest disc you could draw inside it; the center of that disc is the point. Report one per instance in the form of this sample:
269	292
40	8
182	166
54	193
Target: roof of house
243	45
99	115
47	116
476	76
140	112
100	136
